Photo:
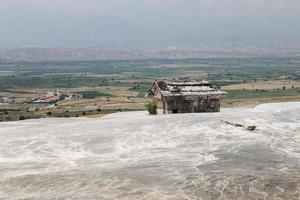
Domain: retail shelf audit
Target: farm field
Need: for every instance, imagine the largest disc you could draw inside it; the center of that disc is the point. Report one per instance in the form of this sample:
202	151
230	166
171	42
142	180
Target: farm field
264	85
120	85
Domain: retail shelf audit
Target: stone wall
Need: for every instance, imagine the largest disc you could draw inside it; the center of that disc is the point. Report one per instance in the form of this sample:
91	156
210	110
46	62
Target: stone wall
181	105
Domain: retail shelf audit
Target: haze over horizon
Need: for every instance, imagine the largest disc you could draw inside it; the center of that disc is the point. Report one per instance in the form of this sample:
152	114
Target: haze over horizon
148	23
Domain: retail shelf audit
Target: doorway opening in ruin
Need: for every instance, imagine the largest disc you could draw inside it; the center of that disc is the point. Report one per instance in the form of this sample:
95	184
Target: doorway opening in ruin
175	111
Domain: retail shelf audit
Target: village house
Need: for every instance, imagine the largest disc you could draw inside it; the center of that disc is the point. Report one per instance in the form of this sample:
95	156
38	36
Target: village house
186	96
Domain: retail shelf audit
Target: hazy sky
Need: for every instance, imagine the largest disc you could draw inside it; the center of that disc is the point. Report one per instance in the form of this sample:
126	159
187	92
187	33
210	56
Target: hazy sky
185	7
193	7
26	21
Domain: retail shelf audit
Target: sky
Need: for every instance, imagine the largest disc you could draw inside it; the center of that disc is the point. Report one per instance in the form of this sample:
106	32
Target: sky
124	22
184	7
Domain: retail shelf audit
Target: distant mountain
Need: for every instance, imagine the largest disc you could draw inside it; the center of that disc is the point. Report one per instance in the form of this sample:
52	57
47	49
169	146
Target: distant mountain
76	54
37	29
57	36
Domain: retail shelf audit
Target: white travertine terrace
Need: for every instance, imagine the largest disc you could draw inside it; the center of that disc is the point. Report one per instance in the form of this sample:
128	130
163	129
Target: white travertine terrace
137	156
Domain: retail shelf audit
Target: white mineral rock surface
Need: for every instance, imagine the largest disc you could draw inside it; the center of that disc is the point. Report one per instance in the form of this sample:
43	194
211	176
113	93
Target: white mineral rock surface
136	156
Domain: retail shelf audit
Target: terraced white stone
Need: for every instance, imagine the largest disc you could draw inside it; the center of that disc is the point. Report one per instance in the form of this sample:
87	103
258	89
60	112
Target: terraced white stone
136	156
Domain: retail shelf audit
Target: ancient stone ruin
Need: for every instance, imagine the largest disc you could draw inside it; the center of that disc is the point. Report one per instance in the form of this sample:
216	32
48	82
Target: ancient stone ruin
186	96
